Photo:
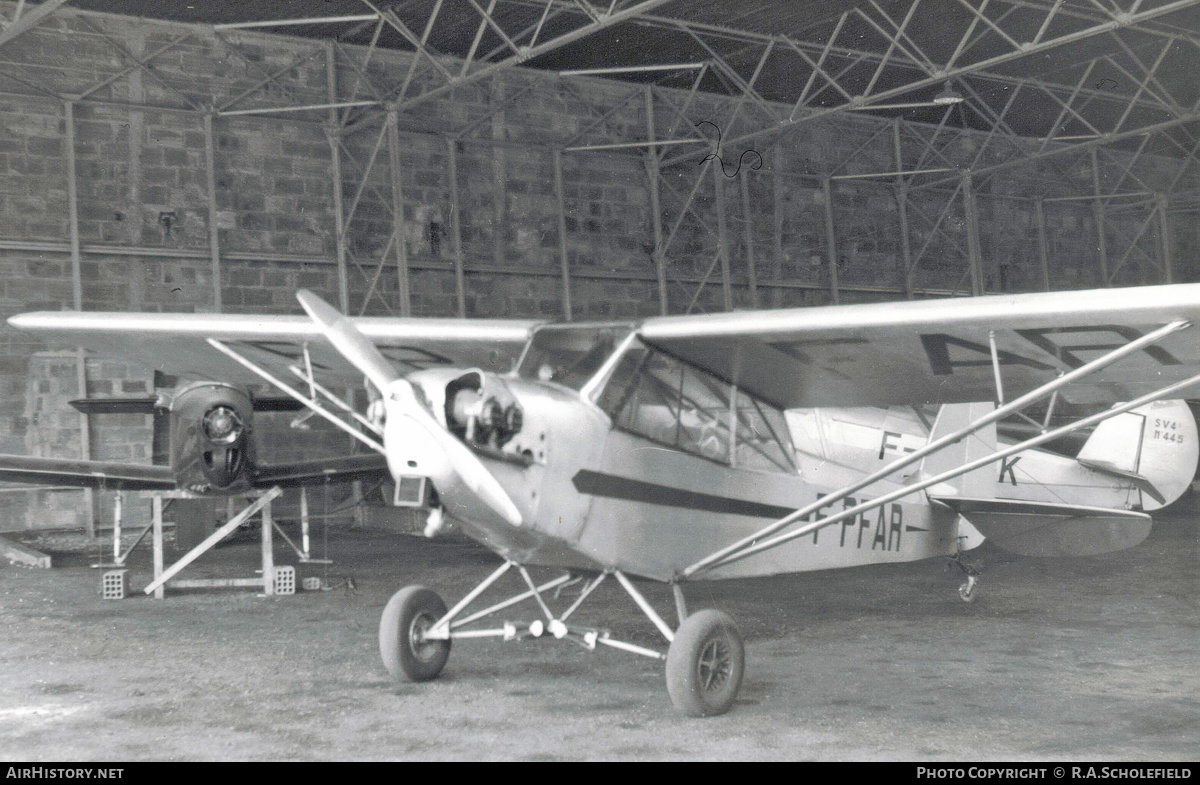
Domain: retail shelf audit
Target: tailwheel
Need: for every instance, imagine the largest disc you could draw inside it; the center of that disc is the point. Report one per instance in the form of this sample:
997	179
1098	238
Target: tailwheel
705	663
969	591
407	654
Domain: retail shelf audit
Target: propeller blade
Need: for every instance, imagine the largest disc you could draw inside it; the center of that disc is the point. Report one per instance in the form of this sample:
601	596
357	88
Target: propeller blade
462	465
348	340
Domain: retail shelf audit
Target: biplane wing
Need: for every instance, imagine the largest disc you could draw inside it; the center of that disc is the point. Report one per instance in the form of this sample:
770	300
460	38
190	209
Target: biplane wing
176	343
940	351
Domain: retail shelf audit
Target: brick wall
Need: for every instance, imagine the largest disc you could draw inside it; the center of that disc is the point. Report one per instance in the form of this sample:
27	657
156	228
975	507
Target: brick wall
142	185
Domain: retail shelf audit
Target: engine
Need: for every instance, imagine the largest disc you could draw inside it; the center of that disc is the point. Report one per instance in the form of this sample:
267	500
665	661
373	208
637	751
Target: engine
211	448
482	413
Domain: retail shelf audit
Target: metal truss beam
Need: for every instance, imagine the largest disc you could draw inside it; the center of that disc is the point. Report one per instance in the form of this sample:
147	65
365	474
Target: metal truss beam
980	69
522	52
23	24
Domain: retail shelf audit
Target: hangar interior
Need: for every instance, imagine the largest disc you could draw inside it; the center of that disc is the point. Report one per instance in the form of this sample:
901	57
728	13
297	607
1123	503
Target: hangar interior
563	160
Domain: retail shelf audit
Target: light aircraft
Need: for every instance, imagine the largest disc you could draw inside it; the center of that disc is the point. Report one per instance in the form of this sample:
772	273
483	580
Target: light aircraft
208	427
685	448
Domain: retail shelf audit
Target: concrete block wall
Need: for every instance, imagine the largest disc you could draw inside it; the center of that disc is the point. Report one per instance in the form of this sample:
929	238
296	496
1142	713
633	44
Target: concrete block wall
142	184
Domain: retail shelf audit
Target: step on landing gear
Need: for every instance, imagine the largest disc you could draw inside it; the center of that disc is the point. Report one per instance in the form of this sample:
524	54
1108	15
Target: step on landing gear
705	658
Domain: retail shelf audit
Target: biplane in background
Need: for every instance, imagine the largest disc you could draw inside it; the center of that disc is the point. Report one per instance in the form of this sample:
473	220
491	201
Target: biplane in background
664	448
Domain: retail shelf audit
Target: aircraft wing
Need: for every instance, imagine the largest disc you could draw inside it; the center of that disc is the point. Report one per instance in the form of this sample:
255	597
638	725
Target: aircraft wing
101	475
176	343
114	476
937	351
349	467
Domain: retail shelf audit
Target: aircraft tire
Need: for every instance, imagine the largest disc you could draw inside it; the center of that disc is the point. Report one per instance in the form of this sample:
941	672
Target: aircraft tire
410	611
705	664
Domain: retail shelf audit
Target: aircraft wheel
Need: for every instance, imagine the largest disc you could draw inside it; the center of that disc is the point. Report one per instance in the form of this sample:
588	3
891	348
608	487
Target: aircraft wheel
408	615
969	591
705	664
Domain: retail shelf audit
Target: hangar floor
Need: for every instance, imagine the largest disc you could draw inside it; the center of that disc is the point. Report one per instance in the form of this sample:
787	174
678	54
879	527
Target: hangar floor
1088	659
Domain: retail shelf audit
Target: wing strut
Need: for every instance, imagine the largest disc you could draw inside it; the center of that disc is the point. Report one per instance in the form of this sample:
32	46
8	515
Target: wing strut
754	543
309	402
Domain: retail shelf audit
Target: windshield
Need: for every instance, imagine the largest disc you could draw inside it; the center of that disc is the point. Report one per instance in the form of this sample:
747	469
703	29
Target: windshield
570	354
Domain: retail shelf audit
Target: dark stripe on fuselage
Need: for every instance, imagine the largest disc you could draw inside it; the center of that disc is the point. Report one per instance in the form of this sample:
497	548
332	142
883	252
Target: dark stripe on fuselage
614	487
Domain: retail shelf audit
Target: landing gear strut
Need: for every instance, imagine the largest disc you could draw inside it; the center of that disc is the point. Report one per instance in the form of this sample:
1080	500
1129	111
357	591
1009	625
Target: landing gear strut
968	591
705	658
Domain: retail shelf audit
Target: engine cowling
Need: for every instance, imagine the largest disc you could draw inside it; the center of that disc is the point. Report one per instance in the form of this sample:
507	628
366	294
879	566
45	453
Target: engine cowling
211	445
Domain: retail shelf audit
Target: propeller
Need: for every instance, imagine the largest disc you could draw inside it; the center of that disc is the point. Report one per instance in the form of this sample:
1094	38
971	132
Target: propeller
412	436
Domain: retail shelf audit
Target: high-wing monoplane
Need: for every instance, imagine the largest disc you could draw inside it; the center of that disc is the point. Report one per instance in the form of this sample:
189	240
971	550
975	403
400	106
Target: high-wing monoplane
687	448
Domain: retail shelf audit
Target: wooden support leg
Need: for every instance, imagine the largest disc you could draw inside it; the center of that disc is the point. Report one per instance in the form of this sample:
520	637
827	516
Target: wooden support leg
162	577
304	524
157	507
117	529
268	551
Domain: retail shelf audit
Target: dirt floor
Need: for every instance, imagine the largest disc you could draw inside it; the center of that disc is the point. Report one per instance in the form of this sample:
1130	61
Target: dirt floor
1091	659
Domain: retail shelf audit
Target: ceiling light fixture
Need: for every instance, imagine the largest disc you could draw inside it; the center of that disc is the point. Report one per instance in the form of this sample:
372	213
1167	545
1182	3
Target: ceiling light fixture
948	96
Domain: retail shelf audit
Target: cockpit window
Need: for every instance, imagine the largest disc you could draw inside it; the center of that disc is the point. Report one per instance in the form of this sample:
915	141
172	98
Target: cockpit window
570	355
658	397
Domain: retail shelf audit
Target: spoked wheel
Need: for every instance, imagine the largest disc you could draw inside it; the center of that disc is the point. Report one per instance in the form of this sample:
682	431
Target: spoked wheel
406	654
705	664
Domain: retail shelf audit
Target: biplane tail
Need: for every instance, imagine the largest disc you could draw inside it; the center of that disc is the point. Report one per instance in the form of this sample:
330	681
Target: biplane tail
1155	446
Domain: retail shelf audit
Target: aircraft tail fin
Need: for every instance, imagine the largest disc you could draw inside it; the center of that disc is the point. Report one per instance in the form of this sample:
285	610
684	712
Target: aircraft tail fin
976	484
1154	445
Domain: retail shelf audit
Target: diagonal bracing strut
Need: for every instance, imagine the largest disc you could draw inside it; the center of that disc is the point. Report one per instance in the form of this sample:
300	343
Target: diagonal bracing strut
450	626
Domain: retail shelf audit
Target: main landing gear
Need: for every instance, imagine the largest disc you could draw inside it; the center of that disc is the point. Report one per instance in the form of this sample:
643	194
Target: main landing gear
705	658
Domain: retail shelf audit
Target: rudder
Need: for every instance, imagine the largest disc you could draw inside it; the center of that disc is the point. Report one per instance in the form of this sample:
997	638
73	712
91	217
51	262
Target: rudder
1154	445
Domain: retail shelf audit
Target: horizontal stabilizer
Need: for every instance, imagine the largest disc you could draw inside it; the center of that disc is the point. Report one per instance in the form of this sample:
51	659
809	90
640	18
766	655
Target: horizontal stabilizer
149	405
1040	529
345	469
101	475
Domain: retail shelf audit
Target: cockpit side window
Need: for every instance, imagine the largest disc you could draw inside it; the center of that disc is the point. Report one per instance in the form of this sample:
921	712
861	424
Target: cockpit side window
670	402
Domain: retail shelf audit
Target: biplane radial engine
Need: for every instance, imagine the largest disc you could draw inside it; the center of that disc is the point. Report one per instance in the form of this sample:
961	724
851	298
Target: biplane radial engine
685	448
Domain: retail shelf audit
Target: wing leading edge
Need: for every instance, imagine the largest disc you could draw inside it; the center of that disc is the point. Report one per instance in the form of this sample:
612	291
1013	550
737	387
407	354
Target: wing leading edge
938	351
176	343
113	476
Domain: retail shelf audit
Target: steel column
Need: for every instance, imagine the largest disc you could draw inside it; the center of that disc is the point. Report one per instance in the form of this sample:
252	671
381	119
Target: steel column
333	134
1101	240
902	208
1164	235
85	436
214	243
1043	250
748	230
722	240
777	220
660	262
562	236
974	255
831	245
460	288
403	292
